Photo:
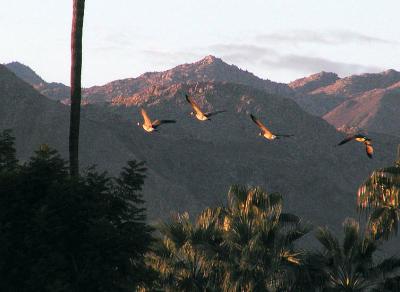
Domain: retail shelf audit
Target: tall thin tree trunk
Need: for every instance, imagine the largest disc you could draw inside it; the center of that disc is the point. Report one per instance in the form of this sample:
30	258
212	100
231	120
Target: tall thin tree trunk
398	155
76	66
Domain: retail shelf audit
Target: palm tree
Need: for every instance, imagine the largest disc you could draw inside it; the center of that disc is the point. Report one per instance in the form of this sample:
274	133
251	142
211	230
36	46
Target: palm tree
247	246
380	193
184	257
350	265
76	66
259	240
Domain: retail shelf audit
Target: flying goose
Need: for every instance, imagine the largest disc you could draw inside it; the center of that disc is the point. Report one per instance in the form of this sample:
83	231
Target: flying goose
265	132
150	126
198	112
360	138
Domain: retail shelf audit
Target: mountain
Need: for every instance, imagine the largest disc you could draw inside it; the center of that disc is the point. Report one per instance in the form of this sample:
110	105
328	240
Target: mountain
308	96
360	102
192	164
376	110
357	84
53	90
25	73
207	69
320	93
313	82
35	120
368	102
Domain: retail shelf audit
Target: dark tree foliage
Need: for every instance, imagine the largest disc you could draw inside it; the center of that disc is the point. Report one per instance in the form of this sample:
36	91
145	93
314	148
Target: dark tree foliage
59	233
8	159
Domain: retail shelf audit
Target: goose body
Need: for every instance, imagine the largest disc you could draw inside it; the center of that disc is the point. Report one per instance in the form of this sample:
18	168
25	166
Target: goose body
201	117
151	126
148	128
369	149
198	113
265	132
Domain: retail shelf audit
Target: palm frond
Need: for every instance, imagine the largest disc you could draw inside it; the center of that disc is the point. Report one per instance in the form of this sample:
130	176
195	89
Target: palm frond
351	235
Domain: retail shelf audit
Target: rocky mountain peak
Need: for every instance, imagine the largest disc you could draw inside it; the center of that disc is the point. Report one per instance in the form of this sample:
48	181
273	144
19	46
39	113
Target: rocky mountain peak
312	82
25	73
390	72
208	60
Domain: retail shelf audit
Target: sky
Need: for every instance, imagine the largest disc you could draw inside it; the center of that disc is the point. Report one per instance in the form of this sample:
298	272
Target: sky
280	40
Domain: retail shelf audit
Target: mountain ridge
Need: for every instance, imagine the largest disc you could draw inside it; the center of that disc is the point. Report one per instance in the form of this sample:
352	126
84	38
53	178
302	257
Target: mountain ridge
314	81
53	90
322	94
209	68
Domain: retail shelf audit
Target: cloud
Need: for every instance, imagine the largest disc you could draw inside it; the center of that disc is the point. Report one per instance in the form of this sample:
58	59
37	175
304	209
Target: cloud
246	49
314	64
263	58
171	57
328	38
242	53
258	58
235	53
123	39
116	41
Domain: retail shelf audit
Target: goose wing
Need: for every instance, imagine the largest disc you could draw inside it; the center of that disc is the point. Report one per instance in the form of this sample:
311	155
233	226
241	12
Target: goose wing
156	123
213	113
263	128
347	140
194	105
369	149
146	119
